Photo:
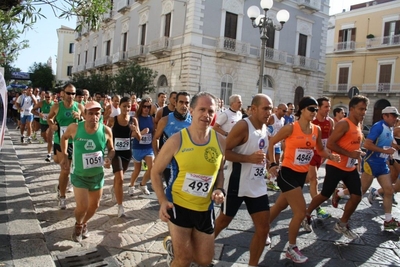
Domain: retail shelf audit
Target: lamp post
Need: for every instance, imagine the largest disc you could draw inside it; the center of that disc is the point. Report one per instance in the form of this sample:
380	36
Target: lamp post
263	22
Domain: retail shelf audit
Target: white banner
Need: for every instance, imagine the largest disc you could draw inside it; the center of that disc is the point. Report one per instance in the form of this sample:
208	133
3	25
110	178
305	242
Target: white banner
3	106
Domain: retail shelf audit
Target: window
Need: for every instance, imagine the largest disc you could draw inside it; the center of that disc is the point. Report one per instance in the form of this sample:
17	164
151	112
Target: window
226	88
69	70
343	79
86	54
346	40
391	32
302	49
79	59
385	77
271	37
124	41
143	35
71	48
94	53
167	28
108	47
230	25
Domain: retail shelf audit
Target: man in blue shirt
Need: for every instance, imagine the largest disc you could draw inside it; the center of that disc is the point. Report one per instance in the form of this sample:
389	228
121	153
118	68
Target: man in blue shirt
289	118
379	147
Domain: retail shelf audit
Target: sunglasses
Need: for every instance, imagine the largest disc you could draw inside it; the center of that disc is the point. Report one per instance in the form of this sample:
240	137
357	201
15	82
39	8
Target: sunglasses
70	93
312	109
145	106
284	111
47	97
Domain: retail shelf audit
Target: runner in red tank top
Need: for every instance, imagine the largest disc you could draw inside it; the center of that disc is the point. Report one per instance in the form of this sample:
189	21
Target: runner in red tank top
326	124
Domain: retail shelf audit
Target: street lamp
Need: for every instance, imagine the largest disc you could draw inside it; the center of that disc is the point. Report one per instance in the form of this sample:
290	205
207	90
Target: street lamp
262	22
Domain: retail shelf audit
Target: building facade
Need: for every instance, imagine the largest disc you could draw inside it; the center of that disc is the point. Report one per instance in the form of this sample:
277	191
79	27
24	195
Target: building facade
364	53
210	45
65	53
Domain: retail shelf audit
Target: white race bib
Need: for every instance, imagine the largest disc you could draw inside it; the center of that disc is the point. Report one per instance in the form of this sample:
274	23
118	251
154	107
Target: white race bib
122	144
92	160
62	130
324	142
197	184
351	162
146	139
45	115
303	156
257	171
132	113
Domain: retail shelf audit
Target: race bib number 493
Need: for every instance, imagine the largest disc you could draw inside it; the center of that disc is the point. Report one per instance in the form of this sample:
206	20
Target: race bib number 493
197	184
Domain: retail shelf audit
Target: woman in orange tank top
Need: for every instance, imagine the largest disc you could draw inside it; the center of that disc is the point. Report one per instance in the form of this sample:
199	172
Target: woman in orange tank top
301	139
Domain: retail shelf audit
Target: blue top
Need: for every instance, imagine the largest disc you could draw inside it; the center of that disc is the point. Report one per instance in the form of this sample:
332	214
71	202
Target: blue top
288	119
145	141
174	125
381	135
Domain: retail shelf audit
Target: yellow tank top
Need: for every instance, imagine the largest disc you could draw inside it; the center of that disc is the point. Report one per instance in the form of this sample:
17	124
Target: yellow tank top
194	172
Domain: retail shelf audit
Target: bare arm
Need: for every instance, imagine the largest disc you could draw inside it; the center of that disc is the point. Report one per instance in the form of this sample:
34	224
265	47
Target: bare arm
136	130
340	129
158	117
51	117
158	134
70	132
110	147
283	133
36	107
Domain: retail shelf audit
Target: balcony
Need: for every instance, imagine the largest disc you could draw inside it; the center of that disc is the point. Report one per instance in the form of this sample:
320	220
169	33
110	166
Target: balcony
106	60
301	63
90	65
310	5
120	57
345	47
381	88
81	67
161	47
123	6
138	53
78	36
384	42
108	16
231	48
338	88
275	56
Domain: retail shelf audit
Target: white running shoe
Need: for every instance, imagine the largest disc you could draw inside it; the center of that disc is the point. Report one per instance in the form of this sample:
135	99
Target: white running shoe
295	255
144	189
345	230
131	190
168	247
62	203
121	211
113	197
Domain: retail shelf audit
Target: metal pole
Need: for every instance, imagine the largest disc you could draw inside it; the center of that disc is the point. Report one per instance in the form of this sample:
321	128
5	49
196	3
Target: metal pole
262	59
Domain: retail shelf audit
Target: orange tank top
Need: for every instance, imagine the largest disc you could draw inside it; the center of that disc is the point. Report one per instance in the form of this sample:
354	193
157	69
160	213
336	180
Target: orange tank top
300	148
350	141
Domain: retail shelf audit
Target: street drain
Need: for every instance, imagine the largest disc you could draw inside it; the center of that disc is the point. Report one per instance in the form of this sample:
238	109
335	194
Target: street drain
96	257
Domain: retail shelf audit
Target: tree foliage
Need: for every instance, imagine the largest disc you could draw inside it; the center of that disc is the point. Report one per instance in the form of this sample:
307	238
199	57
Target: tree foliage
41	76
135	79
101	83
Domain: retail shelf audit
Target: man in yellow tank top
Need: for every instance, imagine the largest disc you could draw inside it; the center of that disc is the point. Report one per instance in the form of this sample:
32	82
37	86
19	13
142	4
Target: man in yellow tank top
196	154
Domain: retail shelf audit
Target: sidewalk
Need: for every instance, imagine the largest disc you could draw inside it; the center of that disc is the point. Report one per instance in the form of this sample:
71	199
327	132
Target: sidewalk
34	232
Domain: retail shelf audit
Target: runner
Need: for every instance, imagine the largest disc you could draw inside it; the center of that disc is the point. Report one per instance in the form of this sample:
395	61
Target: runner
161	102
113	109
228	118
289	117
90	138
345	141
61	115
301	139
196	154
379	147
25	103
326	124
47	134
142	147
246	148
338	114
36	118
123	128
167	109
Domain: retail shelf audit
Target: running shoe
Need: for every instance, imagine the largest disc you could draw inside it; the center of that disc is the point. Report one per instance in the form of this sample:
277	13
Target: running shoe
372	195
34	136
113	197
295	255
322	214
85	231
391	225
273	187
29	141
22	139
131	190
144	166
144	189
48	158
170	250
268	241
62	203
58	192
121	211
306	223
77	232
345	230
335	198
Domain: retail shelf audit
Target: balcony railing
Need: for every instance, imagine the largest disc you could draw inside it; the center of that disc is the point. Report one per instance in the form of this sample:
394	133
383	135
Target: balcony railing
381	88
103	61
312	5
120	56
123	5
90	65
382	42
232	46
164	43
345	46
342	88
137	52
81	67
304	63
107	17
275	56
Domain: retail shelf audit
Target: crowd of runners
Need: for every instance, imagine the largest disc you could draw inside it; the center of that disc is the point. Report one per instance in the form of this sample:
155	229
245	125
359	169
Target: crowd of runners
184	142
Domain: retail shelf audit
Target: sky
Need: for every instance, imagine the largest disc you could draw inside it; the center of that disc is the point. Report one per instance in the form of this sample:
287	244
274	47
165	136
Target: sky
43	38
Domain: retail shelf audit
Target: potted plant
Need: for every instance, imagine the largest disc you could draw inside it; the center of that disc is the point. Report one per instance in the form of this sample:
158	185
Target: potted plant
370	36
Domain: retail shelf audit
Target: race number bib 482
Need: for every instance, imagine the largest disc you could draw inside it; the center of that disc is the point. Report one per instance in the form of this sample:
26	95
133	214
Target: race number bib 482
92	160
197	184
122	144
303	156
146	139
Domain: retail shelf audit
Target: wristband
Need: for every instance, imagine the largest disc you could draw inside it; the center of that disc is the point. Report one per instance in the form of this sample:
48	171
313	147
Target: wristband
222	190
273	164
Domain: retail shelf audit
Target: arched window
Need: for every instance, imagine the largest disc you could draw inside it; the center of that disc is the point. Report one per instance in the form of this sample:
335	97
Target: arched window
162	81
226	88
379	105
298	95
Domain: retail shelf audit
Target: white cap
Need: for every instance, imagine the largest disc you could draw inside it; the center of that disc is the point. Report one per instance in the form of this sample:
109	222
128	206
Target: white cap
390	110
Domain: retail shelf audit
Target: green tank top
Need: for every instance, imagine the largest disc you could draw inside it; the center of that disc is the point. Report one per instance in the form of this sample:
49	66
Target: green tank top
88	154
45	110
64	118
